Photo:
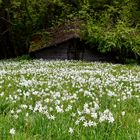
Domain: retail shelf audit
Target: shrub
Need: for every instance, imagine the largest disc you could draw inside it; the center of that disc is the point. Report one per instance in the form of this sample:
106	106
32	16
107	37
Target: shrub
121	39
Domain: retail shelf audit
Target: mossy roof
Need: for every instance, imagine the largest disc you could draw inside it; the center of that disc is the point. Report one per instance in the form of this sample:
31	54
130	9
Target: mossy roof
56	35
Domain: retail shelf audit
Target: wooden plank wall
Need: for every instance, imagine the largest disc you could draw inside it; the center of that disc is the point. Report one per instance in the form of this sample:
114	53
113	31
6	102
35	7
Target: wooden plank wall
61	51
53	53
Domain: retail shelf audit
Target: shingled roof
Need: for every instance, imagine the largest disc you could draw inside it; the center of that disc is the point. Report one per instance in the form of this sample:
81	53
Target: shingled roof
56	35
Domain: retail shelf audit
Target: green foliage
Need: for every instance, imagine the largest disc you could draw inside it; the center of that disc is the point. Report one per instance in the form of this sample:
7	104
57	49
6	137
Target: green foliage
121	38
111	25
115	31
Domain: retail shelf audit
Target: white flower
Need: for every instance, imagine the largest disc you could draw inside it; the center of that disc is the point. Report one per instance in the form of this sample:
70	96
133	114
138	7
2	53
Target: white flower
52	117
106	116
87	93
12	111
102	118
94	124
73	114
79	112
68	108
77	122
59	110
139	121
87	111
96	106
51	109
71	130
2	94
24	106
118	100
115	106
124	97
81	90
30	107
111	119
47	100
85	105
111	94
18	111
90	123
16	116
82	118
94	115
85	124
12	131
27	114
123	113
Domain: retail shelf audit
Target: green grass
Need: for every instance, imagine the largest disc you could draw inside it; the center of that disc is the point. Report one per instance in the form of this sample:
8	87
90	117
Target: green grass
61	100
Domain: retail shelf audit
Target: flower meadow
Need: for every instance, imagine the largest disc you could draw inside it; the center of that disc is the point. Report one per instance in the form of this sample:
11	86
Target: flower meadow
62	100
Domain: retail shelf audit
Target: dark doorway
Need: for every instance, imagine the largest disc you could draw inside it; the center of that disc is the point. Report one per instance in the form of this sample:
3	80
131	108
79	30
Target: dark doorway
75	50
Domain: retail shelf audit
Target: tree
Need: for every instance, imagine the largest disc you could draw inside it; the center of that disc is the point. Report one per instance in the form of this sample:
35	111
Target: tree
6	42
19	19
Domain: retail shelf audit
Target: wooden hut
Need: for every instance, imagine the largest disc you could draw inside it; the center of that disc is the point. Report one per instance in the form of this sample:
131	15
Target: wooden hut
64	42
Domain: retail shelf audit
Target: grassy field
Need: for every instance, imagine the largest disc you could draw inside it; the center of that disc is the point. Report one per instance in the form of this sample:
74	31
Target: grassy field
69	100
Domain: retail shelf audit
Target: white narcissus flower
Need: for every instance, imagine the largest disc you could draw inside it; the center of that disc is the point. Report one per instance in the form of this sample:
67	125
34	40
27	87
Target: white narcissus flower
52	117
2	94
90	123
106	116
27	114
18	111
111	119
16	116
114	106
139	121
85	124
59	110
73	114
94	115
77	122
71	130
12	111
123	113
12	131
111	94
24	106
94	124
82	118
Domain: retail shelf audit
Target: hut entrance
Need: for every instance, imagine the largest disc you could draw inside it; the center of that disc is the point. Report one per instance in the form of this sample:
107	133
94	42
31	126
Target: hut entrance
75	50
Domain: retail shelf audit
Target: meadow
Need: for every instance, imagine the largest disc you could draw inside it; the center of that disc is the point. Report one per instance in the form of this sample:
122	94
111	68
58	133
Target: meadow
69	100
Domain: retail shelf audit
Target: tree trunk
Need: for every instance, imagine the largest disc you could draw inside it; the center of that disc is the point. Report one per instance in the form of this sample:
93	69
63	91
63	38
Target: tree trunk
6	41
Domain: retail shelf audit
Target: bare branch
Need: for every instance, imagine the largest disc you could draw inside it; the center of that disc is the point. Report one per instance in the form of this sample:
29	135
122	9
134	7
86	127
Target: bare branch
6	20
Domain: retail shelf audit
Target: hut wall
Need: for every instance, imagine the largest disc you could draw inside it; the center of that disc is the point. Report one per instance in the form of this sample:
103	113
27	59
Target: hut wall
53	53
93	55
90	55
63	52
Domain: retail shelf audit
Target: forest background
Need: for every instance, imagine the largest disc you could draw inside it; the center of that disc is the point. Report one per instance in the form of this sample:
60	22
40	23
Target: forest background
110	25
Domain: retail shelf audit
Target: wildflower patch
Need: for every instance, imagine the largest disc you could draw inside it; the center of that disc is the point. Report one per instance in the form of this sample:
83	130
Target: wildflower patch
69	100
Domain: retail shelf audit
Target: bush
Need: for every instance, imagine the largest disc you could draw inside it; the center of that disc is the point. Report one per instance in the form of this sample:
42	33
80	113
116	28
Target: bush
121	39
